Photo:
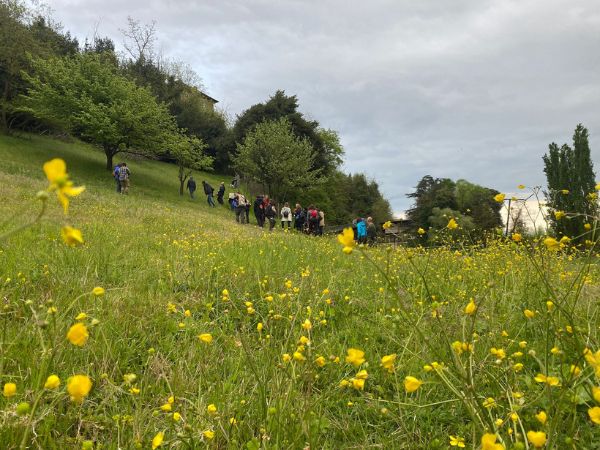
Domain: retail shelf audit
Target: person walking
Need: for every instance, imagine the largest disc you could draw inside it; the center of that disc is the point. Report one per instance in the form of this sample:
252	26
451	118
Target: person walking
313	219
361	230
286	216
116	177
221	193
259	211
240	208
371	231
321	222
124	174
208	190
299	217
271	214
191	186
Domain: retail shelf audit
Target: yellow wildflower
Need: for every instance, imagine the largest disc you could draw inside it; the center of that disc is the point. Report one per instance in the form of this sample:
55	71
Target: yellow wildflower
499	197
320	361
594	414
78	334
388	361
157	440
307	325
536	438
355	357
596	393
471	308
206	338
9	390
208	434
421	231
593	359
488	442
550	381
411	384
542	417
516	237
78	387
56	172
452	225
529	313
347	240
98	291
558	215
52	382
387	225
457	441
299	356
71	236
552	244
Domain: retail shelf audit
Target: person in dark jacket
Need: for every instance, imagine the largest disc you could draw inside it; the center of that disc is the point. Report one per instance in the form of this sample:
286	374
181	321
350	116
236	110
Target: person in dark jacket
299	217
191	186
208	190
271	214
116	177
259	211
221	193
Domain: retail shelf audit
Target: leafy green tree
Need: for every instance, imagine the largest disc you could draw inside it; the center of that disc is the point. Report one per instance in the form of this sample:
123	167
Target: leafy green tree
478	203
22	31
188	153
277	159
571	184
325	143
431	193
92	100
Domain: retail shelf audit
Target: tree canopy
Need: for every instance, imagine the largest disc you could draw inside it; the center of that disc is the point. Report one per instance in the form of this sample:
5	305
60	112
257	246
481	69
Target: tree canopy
571	185
93	101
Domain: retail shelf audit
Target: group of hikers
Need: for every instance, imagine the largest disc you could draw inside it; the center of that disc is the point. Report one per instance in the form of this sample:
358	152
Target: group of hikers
309	221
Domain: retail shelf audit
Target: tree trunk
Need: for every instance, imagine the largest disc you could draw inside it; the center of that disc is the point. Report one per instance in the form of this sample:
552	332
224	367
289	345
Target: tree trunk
109	158
181	182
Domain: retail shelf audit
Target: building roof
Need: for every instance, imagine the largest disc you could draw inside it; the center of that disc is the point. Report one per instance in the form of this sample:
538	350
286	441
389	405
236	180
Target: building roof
209	98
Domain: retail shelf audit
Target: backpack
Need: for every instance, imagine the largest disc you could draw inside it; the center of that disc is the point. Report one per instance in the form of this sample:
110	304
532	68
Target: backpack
314	216
286	214
123	173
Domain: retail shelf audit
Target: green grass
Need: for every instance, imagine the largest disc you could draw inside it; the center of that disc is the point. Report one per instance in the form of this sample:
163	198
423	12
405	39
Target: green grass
158	254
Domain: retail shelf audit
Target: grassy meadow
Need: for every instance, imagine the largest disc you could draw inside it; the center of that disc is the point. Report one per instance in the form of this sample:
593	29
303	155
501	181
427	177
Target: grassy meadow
211	334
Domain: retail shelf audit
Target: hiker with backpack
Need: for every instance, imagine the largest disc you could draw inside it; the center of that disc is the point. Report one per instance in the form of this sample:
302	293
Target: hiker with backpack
191	186
321	222
259	211
208	190
313	220
286	216
361	230
124	174
239	203
271	214
221	193
299	217
116	177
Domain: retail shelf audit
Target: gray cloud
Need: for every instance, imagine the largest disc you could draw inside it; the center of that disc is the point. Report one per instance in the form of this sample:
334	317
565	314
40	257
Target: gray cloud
471	89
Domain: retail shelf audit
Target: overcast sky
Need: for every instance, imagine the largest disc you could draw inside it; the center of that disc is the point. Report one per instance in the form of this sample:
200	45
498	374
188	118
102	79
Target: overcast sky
472	89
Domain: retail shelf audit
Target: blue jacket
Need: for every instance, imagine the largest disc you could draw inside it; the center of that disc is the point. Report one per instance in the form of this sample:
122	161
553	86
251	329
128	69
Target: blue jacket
361	229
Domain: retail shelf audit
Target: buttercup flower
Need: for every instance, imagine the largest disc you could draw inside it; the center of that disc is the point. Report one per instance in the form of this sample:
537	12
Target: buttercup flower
211	409
56	172
71	236
98	291
457	441
558	215
536	438
52	382
488	442
355	357
208	434
388	361
157	440
206	338
452	225
347	240
499	197
78	334
471	308
421	231
411	384
552	244
9	390
78	387
593	359
387	225
594	414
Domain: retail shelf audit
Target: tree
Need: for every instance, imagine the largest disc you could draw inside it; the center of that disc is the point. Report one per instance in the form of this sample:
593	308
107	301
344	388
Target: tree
90	99
571	184
188	153
274	157
325	143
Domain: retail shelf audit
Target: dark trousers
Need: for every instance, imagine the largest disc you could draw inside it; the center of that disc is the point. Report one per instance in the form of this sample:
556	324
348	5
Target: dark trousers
220	199
192	193
240	214
118	185
283	222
